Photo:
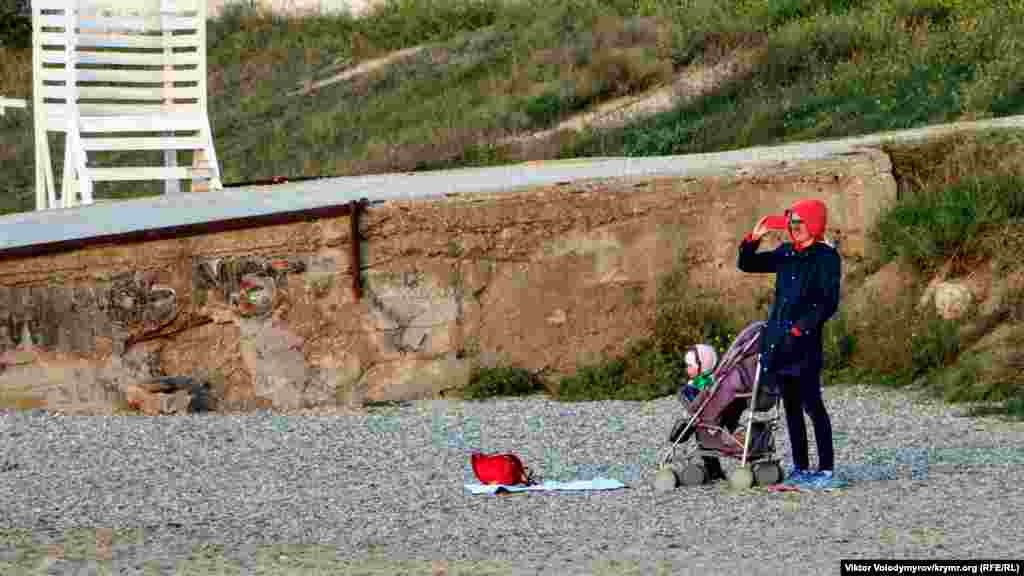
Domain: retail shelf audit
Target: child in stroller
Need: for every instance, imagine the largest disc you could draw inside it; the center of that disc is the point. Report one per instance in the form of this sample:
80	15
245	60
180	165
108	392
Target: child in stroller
715	399
701	361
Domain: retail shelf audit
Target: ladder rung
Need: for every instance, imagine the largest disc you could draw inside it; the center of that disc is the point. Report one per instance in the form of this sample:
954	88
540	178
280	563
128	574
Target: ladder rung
165	143
148	173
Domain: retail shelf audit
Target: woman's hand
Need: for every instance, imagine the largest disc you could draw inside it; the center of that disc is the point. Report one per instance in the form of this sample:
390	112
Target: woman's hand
760	230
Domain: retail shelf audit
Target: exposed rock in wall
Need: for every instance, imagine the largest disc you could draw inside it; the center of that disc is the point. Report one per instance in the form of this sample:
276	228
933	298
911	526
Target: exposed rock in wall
169	395
35	377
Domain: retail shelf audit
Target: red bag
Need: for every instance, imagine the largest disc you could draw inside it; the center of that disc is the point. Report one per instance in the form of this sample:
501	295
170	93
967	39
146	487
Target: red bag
504	469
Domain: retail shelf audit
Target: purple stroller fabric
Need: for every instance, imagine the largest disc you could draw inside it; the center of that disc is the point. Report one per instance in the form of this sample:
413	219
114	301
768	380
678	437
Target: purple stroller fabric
734	375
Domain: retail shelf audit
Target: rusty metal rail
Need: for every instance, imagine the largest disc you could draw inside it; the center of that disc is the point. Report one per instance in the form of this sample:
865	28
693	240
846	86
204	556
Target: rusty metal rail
355	209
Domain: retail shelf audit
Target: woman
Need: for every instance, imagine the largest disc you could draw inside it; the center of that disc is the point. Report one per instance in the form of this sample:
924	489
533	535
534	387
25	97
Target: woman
807	274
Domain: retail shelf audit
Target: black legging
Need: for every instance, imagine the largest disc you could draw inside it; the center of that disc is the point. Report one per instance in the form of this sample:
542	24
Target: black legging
803	394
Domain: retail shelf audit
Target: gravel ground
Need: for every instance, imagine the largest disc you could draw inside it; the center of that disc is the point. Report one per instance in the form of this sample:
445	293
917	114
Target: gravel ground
382	493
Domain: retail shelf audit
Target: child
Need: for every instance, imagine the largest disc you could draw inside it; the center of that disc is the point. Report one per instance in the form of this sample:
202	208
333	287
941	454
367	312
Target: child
700	363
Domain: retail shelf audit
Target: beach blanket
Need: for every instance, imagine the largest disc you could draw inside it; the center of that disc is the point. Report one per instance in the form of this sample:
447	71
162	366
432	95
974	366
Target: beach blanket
595	484
785	488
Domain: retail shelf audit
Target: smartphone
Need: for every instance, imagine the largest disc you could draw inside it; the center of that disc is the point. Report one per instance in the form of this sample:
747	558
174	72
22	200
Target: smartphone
776	222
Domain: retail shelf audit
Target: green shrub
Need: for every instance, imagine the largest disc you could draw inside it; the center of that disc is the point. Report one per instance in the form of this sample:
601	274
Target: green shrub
700	320
928	227
606	380
644	372
501	381
935	344
472	155
779	12
924	12
1015	408
396	24
710	27
545	109
989	376
959	383
543	23
839	343
1012	409
15	24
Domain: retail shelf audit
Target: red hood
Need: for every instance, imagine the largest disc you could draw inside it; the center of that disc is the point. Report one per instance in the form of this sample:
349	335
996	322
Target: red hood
814	213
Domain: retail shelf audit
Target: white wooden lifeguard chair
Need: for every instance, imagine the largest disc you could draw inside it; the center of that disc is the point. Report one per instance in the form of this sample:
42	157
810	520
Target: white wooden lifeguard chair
120	75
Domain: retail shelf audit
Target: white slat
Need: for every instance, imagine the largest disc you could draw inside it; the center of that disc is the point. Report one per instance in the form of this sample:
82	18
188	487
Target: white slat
124	58
90	75
136	110
13	102
149	23
171	122
99	23
134	173
145	143
50	21
119	93
121	40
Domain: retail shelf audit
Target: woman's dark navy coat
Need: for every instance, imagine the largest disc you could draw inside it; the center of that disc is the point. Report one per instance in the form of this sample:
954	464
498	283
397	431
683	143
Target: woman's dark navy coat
806	295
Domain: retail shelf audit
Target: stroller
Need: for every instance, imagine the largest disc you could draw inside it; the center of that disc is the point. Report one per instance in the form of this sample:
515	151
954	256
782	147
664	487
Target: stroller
715	412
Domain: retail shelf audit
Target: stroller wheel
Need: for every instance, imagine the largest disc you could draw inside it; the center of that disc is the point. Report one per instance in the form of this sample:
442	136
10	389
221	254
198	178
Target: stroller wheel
694	475
767	473
665	480
741	478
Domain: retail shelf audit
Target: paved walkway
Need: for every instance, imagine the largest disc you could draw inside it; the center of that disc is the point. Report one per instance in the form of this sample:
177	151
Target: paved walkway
38	229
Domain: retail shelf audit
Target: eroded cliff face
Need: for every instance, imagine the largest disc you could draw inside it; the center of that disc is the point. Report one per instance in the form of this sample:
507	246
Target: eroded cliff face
548	277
